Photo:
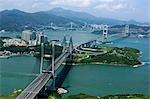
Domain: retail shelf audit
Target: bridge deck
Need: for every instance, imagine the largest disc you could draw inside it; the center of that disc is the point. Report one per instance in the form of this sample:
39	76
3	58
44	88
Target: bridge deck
33	89
38	83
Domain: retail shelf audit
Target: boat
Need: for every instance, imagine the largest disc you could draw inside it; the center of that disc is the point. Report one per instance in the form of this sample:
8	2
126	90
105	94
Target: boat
136	66
4	57
61	91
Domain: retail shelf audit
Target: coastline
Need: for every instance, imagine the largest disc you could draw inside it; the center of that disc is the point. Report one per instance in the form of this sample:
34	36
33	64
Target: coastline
93	63
98	63
131	57
14	55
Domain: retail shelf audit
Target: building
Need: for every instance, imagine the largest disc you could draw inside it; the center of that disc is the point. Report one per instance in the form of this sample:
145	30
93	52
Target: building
97	26
34	35
34	38
15	42
27	35
41	38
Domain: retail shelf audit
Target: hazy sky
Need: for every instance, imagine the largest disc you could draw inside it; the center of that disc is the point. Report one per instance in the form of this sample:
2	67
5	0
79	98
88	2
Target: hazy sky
119	9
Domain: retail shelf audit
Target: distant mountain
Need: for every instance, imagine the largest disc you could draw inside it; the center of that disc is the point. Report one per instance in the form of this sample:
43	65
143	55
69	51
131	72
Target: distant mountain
16	20
87	18
73	15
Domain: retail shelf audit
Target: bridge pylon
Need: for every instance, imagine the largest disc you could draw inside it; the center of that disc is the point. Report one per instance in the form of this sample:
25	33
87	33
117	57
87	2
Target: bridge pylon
105	32
71	25
51	25
69	59
53	64
70	45
127	29
64	44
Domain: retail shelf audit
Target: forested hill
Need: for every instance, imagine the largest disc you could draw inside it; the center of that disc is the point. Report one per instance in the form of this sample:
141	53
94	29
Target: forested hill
16	20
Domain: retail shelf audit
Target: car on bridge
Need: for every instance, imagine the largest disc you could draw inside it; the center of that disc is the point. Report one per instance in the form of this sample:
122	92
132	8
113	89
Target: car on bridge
46	71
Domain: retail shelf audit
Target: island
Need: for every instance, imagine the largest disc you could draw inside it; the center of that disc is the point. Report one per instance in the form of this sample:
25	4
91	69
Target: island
55	95
125	56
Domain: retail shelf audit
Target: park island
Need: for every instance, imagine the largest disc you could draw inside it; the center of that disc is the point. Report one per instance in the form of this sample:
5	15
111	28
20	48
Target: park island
125	56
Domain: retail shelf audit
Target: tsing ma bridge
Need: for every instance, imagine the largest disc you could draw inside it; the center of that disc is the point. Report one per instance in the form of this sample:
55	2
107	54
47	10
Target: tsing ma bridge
31	91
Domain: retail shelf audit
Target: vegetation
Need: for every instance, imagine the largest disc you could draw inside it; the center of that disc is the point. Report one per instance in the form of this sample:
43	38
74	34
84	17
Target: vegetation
55	95
35	49
126	96
1	43
13	95
16	49
16	20
81	96
113	55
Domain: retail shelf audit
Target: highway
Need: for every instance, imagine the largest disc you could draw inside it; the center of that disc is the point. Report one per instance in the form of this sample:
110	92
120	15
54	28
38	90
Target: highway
40	81
36	85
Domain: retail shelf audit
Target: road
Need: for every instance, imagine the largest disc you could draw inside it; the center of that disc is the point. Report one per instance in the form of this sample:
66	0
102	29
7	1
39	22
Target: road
40	81
36	85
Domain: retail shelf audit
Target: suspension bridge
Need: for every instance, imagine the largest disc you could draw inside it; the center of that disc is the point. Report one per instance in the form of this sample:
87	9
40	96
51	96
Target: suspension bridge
31	91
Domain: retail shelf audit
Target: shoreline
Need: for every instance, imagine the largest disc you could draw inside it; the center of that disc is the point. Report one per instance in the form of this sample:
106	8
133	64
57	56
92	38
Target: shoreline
14	55
92	63
120	65
137	52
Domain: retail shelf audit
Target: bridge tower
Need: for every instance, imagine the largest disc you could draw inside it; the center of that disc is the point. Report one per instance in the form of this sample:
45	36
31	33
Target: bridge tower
126	29
53	64
51	25
70	45
42	53
105	32
71	25
68	64
64	44
69	59
84	26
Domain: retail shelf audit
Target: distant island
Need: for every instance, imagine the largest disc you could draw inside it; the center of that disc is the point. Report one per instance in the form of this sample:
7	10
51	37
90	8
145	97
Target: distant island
109	55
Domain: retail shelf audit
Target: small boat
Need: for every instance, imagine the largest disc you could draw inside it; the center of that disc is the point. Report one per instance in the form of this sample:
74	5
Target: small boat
135	66
4	57
61	91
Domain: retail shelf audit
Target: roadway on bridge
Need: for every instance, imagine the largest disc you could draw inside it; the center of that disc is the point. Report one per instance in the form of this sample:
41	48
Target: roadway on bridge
40	81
